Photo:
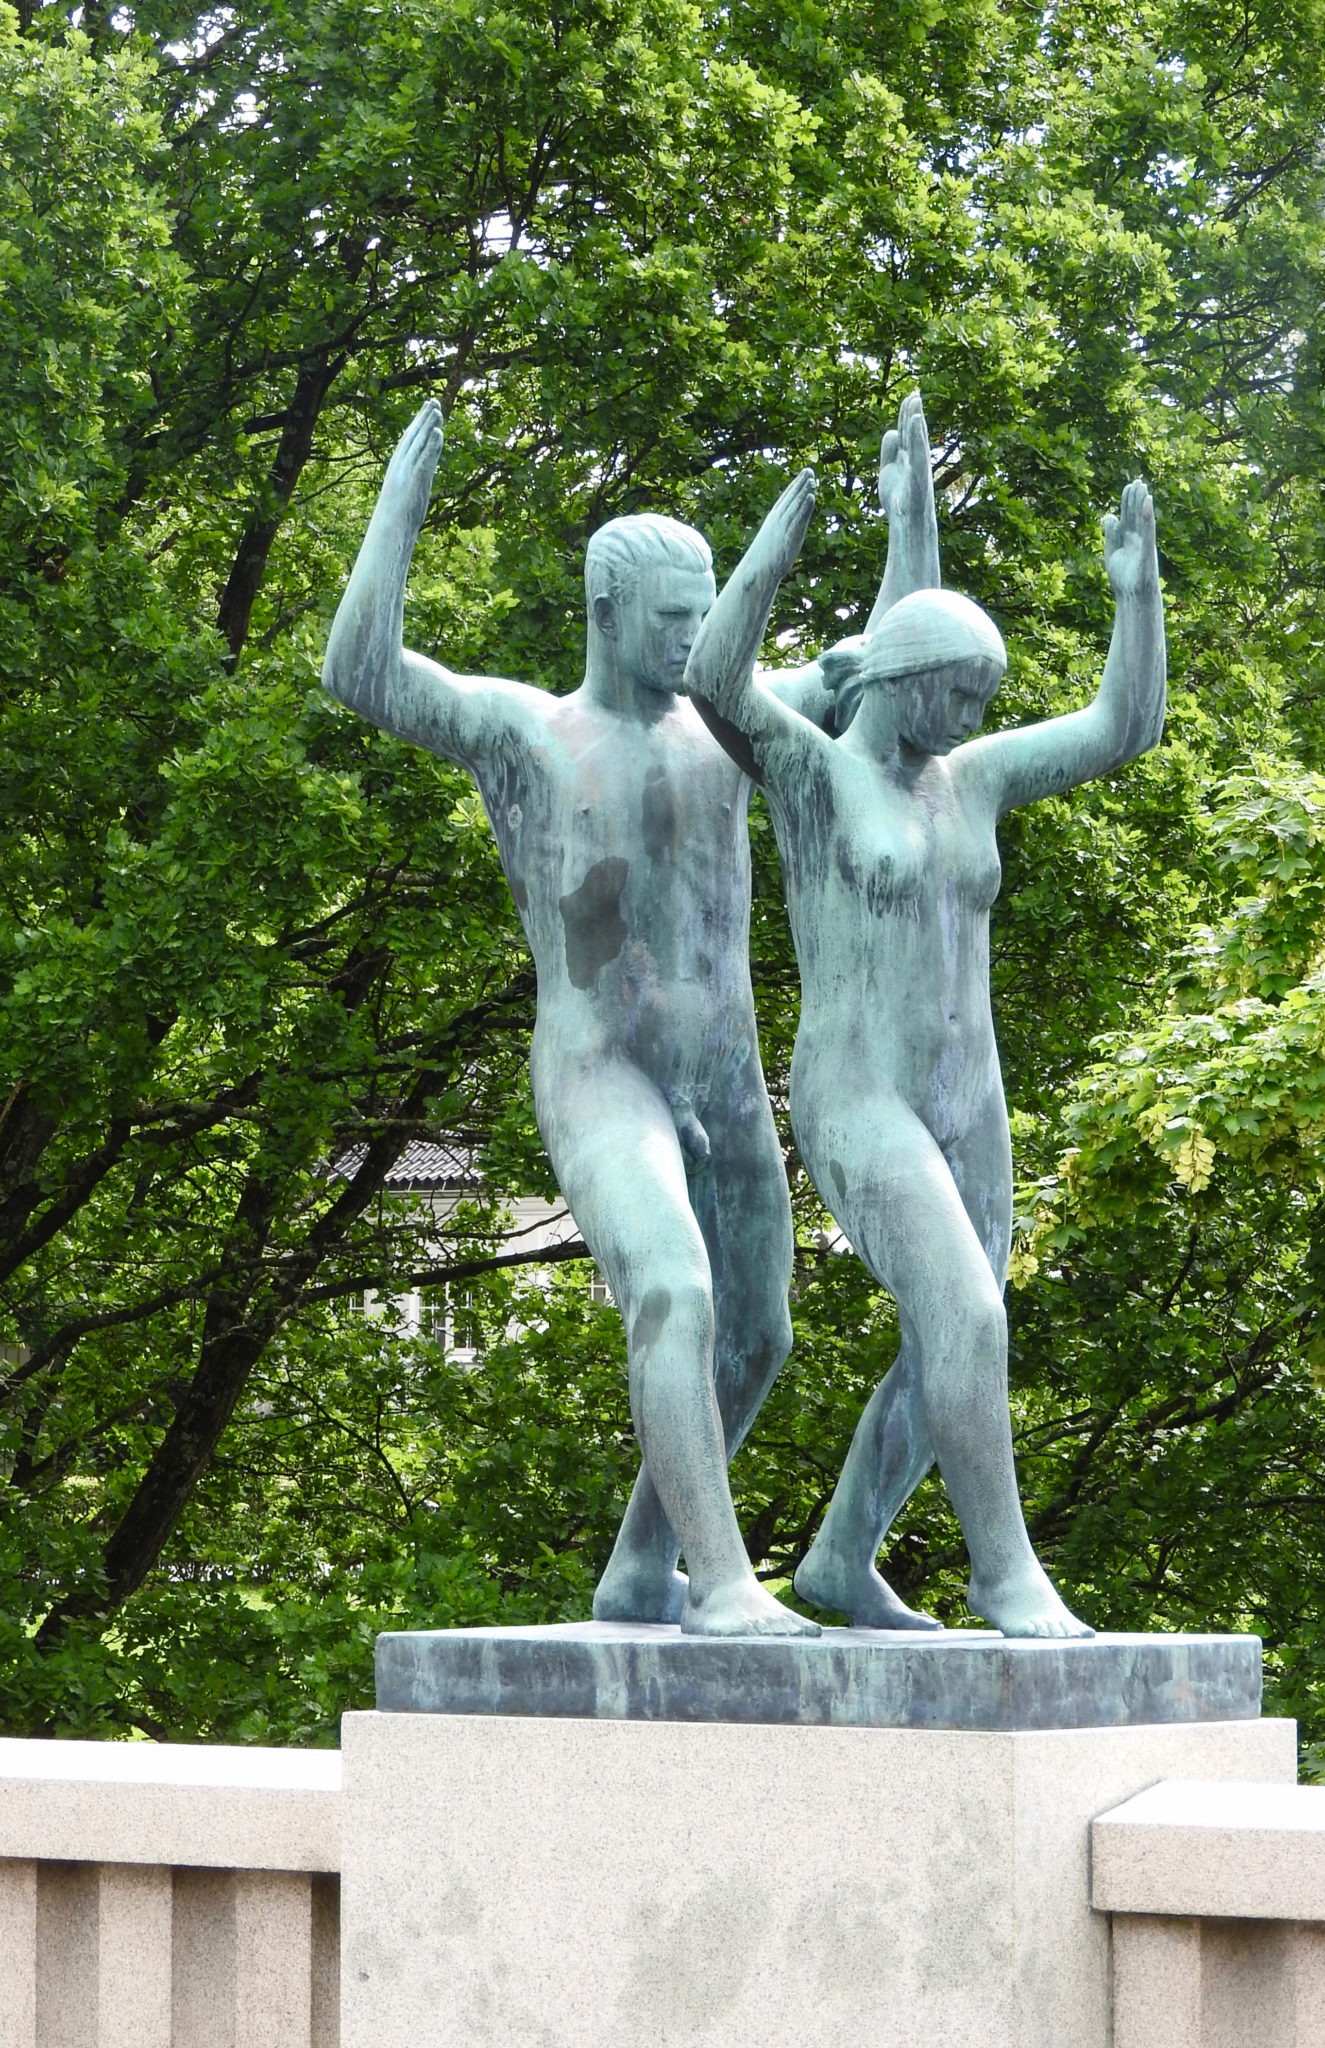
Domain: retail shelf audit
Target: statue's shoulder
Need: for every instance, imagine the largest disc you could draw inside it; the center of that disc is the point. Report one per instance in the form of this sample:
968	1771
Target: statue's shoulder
514	710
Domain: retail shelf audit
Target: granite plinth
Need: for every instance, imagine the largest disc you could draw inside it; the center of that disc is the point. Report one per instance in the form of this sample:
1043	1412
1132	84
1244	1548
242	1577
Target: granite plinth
844	1678
512	1881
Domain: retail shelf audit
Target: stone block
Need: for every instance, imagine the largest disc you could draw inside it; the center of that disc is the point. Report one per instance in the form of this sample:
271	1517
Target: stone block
846	1677
682	1884
1252	1852
324	1974
273	1955
1157	1983
1184	1983
203	1959
67	1912
170	1803
134	1918
18	1954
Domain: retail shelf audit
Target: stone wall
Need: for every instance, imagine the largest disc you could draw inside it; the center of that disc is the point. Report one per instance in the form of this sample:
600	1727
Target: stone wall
1217	1899
168	1896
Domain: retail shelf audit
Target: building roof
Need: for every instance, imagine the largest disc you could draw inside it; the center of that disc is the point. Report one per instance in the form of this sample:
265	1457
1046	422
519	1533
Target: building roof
424	1164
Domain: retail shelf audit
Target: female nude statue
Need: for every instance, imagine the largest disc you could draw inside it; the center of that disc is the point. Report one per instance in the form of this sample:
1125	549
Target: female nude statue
888	843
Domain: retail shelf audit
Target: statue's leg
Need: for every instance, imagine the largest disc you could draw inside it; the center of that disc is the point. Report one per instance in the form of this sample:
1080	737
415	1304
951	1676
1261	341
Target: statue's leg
981	1163
898	1202
889	1456
890	1452
743	1209
614	1146
641	1582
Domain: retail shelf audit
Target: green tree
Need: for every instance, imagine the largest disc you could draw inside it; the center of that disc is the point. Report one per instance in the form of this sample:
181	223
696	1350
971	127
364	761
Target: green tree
647	254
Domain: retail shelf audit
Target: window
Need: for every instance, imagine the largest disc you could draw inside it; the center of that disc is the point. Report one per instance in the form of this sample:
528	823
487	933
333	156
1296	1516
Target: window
447	1317
599	1290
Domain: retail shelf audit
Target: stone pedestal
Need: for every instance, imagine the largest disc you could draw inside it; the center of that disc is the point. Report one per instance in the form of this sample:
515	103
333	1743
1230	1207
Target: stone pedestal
843	1678
609	1883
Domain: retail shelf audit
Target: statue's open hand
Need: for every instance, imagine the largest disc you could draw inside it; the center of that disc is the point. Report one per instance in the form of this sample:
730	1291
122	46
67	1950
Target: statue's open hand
906	480
778	541
408	481
730	637
1129	544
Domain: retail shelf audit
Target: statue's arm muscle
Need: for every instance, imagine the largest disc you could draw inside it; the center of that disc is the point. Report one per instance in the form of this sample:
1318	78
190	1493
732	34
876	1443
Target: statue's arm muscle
368	668
802	690
748	718
457	716
1127	716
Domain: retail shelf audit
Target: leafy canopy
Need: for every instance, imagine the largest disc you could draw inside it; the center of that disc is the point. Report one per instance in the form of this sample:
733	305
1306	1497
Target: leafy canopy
647	254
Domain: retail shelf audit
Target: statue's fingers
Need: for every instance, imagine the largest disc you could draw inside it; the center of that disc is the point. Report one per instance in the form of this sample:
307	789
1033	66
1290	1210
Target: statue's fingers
796	502
413	436
918	435
425	428
888	452
1113	528
803	508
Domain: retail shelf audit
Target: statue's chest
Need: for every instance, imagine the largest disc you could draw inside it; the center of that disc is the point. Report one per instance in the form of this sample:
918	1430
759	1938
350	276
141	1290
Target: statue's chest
659	816
914	851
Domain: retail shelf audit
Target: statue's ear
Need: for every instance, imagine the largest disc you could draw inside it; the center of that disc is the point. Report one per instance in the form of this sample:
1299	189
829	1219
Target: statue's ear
605	615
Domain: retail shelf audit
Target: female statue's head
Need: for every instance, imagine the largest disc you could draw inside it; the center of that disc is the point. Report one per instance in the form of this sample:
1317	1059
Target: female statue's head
939	658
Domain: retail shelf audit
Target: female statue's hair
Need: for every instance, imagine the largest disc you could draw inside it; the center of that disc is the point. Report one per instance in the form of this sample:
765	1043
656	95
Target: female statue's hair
618	551
927	630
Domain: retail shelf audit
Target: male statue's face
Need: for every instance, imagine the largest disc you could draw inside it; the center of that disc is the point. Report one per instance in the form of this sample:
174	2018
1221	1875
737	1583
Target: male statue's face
653	627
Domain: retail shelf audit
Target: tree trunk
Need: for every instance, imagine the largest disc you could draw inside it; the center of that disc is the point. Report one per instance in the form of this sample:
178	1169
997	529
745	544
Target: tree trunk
296	444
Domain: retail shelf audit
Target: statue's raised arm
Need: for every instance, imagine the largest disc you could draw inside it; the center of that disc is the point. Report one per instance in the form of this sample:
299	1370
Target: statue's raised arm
827	690
1127	716
367	667
906	497
746	716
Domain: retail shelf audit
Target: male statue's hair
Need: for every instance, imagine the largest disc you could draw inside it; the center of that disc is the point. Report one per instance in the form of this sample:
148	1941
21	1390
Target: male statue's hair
618	551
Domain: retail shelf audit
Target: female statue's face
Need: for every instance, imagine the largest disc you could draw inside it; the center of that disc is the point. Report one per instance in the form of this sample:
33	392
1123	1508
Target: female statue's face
940	707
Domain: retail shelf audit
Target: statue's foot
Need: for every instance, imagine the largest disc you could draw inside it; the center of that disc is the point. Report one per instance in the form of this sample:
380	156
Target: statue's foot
1024	1604
866	1599
742	1608
634	1592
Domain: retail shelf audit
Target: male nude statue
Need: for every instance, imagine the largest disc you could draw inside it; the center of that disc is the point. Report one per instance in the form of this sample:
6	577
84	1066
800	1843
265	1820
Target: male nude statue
621	827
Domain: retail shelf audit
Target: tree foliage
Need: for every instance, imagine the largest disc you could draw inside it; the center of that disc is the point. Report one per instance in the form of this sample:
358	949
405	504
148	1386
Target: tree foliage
648	254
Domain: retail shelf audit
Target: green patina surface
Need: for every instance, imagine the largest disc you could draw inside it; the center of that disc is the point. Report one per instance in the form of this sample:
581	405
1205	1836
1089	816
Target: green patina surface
619	812
890	857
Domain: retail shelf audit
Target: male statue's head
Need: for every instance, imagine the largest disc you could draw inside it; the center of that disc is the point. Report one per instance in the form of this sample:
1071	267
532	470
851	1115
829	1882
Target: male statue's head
648	584
940	659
